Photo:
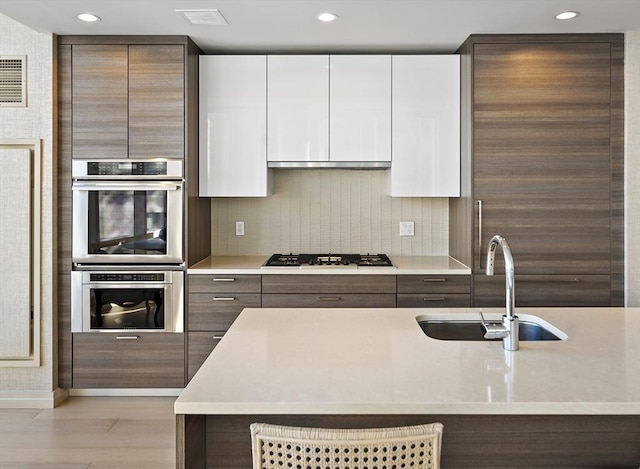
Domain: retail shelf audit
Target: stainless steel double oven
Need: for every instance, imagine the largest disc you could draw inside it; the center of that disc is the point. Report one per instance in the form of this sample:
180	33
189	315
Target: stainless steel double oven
127	246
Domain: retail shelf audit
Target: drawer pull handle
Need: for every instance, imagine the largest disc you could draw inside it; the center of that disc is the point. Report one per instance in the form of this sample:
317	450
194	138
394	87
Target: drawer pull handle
224	279
434	279
553	280
433	298
127	337
224	298
328	298
217	337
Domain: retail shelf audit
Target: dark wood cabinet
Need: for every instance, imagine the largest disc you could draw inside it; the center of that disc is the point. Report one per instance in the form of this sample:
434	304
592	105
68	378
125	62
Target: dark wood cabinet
156	101
545	290
120	97
99	110
434	291
328	291
128	100
128	360
542	165
215	301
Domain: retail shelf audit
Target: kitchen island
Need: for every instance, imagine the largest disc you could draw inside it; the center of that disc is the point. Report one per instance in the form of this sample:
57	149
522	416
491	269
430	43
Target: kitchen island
572	402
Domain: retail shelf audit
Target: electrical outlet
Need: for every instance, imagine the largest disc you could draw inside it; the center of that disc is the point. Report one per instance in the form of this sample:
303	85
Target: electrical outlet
406	228
239	228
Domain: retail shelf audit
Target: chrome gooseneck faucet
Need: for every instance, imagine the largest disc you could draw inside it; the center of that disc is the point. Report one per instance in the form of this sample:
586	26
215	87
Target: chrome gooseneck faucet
509	330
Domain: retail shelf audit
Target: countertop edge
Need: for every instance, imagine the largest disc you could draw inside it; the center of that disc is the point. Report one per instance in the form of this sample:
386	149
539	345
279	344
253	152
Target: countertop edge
523	408
403	265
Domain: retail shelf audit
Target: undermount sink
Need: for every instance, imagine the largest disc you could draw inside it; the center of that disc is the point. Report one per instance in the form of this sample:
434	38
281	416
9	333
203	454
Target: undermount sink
469	327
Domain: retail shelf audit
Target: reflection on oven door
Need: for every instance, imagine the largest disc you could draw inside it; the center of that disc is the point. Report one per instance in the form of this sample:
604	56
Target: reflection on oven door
131	308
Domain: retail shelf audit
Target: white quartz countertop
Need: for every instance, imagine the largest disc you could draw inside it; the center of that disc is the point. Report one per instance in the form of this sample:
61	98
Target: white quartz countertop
378	361
403	265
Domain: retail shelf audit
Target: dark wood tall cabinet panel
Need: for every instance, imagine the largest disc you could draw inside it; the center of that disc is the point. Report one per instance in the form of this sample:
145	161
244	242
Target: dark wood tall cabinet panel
541	149
100	101
156	101
119	97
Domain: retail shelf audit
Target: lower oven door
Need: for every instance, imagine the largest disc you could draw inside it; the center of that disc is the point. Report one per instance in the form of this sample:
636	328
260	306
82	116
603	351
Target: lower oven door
124	301
127	222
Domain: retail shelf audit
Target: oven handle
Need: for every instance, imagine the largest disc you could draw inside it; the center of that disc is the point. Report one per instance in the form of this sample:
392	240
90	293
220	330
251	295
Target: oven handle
124	186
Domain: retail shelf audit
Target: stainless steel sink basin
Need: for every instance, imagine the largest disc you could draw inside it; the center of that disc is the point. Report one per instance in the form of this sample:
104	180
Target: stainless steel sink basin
469	328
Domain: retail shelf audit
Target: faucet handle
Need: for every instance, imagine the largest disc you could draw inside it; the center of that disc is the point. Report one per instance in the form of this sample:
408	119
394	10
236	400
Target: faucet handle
493	331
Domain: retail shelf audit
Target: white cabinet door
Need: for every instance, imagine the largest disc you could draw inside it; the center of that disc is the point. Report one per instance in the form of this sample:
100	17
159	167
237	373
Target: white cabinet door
426	127
298	108
360	108
233	114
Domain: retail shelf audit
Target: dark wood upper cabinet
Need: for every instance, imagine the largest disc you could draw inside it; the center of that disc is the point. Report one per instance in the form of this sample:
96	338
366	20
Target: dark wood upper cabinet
99	101
156	101
542	159
128	101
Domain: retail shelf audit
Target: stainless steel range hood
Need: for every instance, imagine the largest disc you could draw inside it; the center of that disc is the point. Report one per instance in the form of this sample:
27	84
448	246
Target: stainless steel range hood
329	164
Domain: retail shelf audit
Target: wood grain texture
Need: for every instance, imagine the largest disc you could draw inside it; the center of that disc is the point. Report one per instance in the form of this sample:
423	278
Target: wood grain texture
198	210
434	284
617	171
227	283
191	441
544	290
156	101
543	135
100	101
200	346
328	300
433	300
319	284
155	360
469	440
64	211
215	312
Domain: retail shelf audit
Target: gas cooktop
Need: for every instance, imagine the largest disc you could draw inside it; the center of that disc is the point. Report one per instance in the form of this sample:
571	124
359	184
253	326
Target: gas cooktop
328	260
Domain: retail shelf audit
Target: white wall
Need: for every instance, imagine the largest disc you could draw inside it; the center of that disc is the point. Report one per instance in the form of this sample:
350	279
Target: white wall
34	122
632	168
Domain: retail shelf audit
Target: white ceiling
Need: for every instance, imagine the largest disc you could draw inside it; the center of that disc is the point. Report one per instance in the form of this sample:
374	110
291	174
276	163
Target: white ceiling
363	25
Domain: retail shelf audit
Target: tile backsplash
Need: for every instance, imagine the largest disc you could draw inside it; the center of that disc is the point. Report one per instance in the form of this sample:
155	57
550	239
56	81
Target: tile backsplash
329	210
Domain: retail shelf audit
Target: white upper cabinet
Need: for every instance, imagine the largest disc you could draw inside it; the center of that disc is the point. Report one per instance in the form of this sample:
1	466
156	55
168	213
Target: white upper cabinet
233	126
360	108
298	108
426	126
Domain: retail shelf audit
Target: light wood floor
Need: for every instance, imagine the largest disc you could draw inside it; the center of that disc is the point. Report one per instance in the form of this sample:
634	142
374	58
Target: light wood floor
95	432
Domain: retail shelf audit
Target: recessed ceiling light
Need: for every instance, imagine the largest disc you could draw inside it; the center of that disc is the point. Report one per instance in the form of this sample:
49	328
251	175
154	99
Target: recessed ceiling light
210	16
567	15
327	17
88	17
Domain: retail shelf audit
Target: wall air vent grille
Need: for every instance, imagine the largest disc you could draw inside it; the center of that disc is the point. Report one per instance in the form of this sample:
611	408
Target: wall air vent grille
13	81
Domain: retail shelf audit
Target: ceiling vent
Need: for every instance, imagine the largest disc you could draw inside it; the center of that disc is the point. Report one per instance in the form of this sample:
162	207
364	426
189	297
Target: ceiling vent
13	80
210	17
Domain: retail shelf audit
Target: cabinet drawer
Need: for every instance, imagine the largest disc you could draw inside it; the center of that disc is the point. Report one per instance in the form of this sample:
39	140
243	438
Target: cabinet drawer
224	283
445	300
216	312
200	346
544	290
341	300
434	284
328	283
128	360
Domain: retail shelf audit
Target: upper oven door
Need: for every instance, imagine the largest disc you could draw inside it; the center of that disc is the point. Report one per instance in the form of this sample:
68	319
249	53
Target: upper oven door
127	222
